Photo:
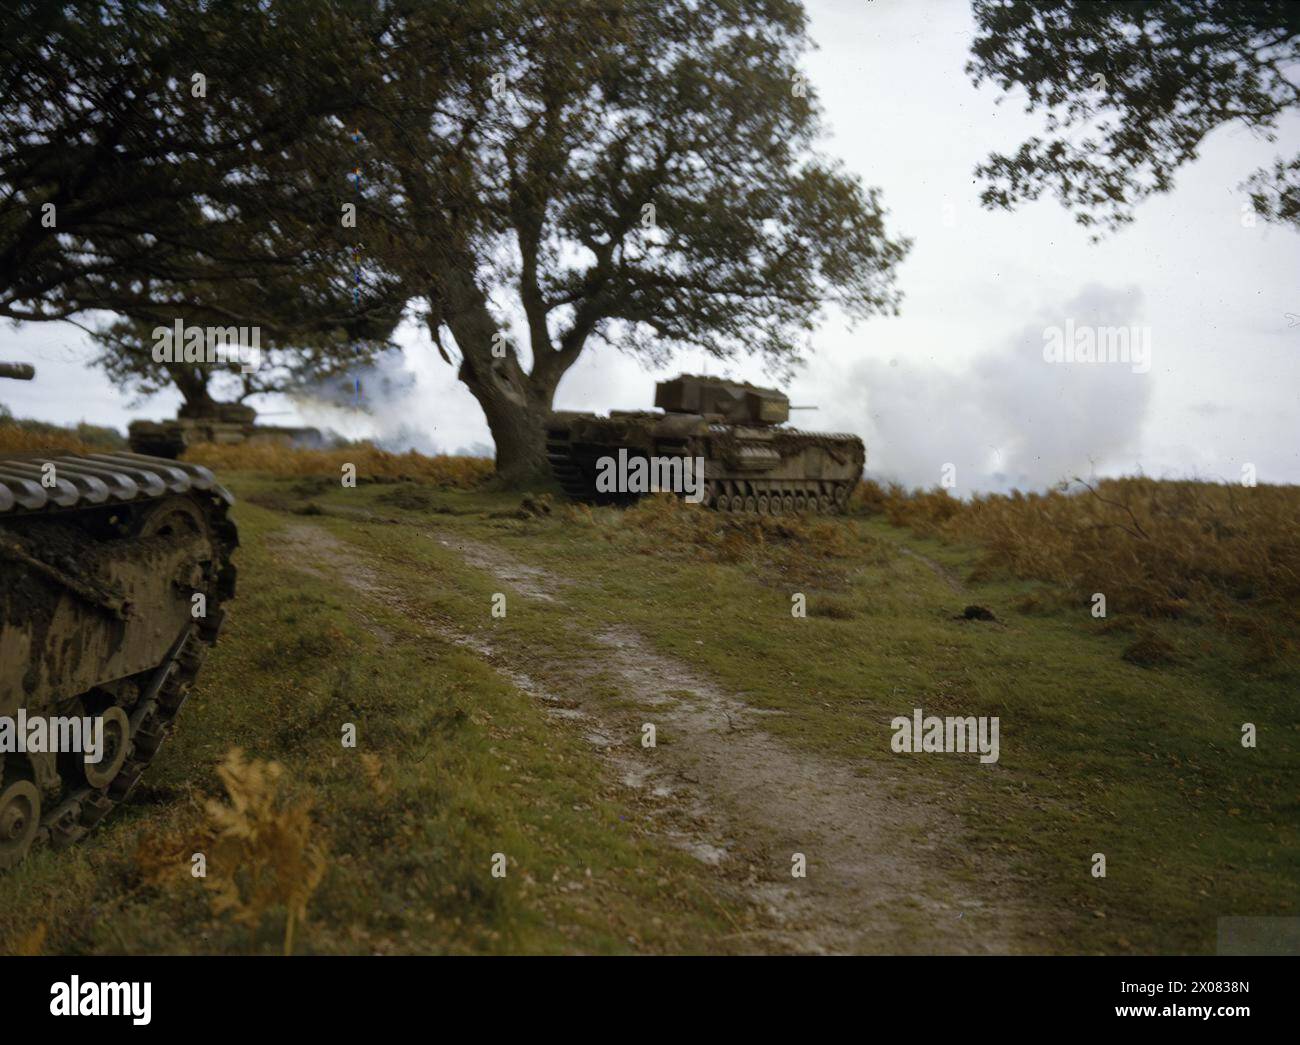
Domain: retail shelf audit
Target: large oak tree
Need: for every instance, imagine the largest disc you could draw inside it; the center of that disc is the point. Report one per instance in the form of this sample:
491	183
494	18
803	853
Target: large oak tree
639	174
635	173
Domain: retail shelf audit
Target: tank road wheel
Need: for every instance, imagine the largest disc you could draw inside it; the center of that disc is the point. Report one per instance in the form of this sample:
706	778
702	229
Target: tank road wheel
751	503
800	502
20	819
825	504
841	496
171	516
774	504
787	503
762	504
117	738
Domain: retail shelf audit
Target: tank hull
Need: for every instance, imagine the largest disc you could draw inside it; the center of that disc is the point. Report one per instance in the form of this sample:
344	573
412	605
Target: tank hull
170	439
114	569
762	468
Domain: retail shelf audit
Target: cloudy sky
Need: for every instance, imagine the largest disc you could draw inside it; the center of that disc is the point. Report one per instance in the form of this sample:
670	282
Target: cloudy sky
959	378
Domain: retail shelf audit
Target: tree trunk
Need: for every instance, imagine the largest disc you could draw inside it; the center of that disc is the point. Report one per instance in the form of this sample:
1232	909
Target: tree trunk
516	413
192	383
516	404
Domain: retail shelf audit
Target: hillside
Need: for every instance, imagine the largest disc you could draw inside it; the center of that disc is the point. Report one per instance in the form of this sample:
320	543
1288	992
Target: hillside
522	734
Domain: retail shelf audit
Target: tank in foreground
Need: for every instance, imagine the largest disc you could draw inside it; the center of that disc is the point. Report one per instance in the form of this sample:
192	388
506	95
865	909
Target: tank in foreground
114	569
752	462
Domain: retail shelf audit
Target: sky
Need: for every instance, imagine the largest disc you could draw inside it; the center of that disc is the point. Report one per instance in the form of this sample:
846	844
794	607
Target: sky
958	380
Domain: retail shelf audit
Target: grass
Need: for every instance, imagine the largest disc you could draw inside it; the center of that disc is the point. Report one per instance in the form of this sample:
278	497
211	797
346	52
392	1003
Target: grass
1215	553
1099	754
22	434
1119	735
458	766
374	464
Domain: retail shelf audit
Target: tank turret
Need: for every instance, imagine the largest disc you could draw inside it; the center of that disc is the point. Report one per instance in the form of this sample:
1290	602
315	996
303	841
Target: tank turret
222	423
221	413
720	400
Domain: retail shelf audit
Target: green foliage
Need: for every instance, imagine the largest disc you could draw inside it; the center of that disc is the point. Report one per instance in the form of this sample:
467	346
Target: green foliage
1131	90
181	200
635	173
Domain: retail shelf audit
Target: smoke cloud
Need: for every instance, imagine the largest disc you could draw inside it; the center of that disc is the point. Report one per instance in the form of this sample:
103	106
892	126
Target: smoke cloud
1009	419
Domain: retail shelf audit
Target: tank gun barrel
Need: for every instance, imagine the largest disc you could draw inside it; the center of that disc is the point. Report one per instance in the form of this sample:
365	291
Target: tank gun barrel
18	371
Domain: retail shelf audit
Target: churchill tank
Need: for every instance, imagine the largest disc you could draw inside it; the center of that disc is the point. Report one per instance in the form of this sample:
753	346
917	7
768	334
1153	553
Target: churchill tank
114	573
225	424
734	434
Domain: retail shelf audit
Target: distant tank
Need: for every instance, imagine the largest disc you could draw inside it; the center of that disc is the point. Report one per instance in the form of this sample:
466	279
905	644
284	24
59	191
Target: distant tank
221	423
114	569
752	462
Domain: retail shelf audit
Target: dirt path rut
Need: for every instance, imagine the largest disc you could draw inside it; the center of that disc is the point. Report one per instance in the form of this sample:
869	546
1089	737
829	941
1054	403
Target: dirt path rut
880	874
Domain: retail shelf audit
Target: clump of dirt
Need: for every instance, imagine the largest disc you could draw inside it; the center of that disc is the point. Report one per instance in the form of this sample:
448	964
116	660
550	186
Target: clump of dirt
285	505
535	508
411	498
1149	650
312	486
831	607
414	498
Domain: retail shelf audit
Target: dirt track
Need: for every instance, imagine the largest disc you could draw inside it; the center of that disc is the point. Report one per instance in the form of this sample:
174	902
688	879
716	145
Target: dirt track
720	786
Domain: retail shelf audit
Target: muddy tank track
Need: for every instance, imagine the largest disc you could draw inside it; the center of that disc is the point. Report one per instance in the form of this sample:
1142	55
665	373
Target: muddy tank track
558	451
123	497
778	497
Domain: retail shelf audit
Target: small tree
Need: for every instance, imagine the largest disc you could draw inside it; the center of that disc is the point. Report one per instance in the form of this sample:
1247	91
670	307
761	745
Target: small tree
126	355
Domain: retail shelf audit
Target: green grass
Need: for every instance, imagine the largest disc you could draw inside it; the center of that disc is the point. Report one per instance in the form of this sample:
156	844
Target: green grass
1144	765
470	767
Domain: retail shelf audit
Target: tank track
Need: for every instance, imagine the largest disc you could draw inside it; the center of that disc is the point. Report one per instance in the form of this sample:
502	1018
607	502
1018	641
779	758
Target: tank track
779	497
567	474
151	723
102	482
